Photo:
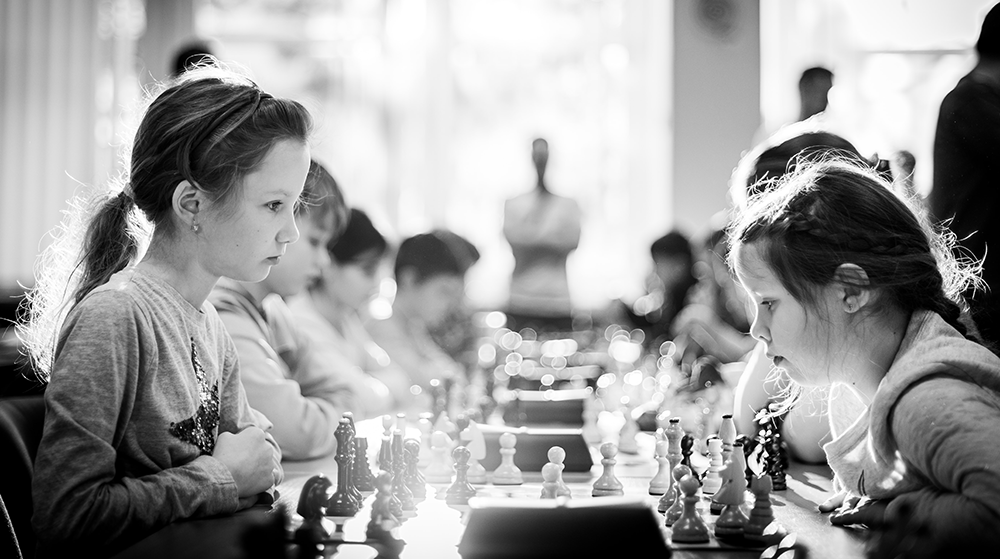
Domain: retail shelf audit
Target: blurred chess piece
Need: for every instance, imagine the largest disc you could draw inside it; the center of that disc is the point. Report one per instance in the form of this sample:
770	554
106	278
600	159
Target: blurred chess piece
507	473
732	496
550	485
312	508
690	527
557	455
383	520
761	525
364	479
414	480
673	513
608	484
629	430
440	469
342	502
461	491
713	481
661	481
426	429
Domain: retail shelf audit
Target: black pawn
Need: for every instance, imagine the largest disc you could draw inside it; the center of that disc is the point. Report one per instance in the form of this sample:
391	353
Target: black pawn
379	529
413	478
399	488
461	491
342	503
364	479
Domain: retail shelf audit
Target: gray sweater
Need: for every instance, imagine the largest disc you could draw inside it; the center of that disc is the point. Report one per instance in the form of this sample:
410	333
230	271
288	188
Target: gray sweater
930	441
142	384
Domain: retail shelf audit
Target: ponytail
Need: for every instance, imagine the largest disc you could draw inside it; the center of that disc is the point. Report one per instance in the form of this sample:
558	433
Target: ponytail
109	244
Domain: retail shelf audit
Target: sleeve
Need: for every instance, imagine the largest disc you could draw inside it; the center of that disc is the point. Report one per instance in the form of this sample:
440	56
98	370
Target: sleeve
304	410
946	429
79	496
235	413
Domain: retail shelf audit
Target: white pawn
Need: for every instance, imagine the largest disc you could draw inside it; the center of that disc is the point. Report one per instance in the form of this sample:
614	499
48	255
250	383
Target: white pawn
401	423
661	481
713	478
626	438
507	473
550	487
608	484
425	426
440	468
556	456
387	426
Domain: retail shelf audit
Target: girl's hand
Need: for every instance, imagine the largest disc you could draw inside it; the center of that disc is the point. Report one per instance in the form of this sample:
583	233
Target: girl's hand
251	461
866	512
836	501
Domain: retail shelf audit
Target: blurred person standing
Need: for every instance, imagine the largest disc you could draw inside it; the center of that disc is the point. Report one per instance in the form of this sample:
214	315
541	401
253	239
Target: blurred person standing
542	230
966	169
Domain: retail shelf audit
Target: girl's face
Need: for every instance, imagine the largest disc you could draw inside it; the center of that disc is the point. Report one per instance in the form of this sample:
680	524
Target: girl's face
247	235
353	283
304	259
803	341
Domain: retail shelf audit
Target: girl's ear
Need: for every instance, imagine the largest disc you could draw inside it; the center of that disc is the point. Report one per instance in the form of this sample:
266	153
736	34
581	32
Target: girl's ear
188	201
854	286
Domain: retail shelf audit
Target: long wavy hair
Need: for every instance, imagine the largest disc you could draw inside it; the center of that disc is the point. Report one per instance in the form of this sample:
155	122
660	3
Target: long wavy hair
212	127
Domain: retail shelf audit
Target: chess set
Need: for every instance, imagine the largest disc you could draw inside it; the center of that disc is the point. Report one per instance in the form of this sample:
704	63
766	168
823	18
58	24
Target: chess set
439	474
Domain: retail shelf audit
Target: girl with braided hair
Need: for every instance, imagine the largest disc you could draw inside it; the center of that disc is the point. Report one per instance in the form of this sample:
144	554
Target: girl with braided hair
851	287
146	420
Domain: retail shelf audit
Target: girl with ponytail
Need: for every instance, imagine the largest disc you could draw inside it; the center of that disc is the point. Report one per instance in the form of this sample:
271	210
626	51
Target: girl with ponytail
146	419
852	287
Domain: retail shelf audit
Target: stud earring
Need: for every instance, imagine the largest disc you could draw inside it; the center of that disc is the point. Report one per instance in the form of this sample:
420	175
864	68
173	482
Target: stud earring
194	226
850	307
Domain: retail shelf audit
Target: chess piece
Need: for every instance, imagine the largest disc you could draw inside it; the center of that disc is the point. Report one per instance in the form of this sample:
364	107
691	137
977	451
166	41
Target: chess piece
550	485
673	513
342	503
384	460
713	481
608	484
426	429
687	448
761	525
440	468
727	432
689	528
507	473
445	424
364	479
412	477
661	481
383	520
401	423
399	488
674	433
732	497
626	437
352	453
461	491
775	450
476	444
312	507
557	455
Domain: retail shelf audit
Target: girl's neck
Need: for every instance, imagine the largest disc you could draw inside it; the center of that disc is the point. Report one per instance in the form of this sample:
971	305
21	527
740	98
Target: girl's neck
183	274
877	342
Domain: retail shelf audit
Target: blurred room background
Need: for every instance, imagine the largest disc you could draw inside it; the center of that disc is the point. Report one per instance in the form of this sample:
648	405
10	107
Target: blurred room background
425	109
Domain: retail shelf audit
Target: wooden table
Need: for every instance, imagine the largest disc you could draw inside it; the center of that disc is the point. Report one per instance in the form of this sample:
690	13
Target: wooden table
435	529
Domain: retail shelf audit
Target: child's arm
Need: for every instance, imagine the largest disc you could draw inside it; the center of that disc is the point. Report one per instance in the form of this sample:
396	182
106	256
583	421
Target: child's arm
304	421
947	429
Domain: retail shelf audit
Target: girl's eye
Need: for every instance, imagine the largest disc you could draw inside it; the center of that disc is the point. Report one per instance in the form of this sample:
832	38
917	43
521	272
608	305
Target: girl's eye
768	304
274	206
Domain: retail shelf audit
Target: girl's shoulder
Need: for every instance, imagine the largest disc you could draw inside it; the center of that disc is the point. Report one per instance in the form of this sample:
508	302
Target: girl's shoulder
130	295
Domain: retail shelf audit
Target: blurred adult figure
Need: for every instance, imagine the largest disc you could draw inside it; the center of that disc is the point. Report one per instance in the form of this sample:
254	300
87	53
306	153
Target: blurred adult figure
967	167
814	91
542	229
